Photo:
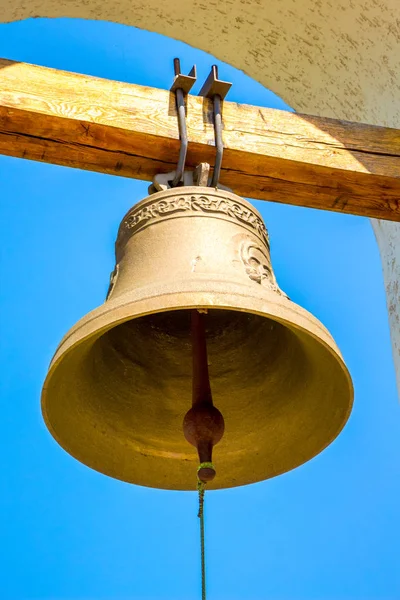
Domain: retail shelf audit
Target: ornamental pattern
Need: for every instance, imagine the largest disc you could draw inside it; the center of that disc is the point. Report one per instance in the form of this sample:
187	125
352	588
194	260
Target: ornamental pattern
182	204
257	264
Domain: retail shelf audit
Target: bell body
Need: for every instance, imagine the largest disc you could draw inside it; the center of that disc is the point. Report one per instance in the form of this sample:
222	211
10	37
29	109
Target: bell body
119	384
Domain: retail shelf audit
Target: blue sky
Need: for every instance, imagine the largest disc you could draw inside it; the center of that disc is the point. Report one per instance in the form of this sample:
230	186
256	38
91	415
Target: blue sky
328	530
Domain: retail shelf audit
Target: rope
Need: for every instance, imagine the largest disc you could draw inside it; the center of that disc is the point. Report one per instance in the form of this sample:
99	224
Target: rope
201	487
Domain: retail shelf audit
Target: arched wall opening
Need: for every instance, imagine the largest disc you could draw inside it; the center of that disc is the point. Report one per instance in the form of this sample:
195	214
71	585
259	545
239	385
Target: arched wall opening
59	229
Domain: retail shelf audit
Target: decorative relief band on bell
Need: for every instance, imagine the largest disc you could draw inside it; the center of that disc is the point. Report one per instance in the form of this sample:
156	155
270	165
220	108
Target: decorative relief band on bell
180	205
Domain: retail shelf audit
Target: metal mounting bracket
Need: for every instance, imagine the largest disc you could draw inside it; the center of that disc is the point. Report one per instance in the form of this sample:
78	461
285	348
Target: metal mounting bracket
214	86
183	82
200	176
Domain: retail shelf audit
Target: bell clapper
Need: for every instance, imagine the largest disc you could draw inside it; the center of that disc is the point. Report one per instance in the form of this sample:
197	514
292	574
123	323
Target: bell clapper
203	425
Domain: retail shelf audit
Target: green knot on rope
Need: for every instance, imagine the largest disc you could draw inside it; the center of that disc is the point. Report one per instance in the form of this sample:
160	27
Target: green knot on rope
205	465
201	488
206	472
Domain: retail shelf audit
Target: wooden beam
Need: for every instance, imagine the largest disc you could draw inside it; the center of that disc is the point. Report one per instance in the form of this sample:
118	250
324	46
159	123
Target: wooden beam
131	131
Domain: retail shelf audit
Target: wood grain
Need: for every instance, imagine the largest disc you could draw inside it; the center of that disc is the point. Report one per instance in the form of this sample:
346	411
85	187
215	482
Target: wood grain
132	131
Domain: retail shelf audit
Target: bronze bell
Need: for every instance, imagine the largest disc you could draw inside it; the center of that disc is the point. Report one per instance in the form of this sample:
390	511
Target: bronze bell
120	383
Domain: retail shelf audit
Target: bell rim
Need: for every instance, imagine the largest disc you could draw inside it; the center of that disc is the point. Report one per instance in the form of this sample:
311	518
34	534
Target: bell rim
88	327
244	302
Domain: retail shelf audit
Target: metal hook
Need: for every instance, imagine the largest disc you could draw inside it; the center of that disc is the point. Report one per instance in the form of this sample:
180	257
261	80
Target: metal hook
216	90
182	84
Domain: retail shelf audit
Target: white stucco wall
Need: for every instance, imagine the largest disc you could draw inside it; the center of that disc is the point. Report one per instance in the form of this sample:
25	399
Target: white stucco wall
336	58
388	237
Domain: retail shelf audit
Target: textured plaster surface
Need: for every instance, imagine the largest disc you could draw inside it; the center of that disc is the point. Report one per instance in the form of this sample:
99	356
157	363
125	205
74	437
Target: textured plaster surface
388	237
334	58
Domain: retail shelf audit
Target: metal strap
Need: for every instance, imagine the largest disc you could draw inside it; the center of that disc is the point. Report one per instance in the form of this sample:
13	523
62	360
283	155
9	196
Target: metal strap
216	89
181	86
